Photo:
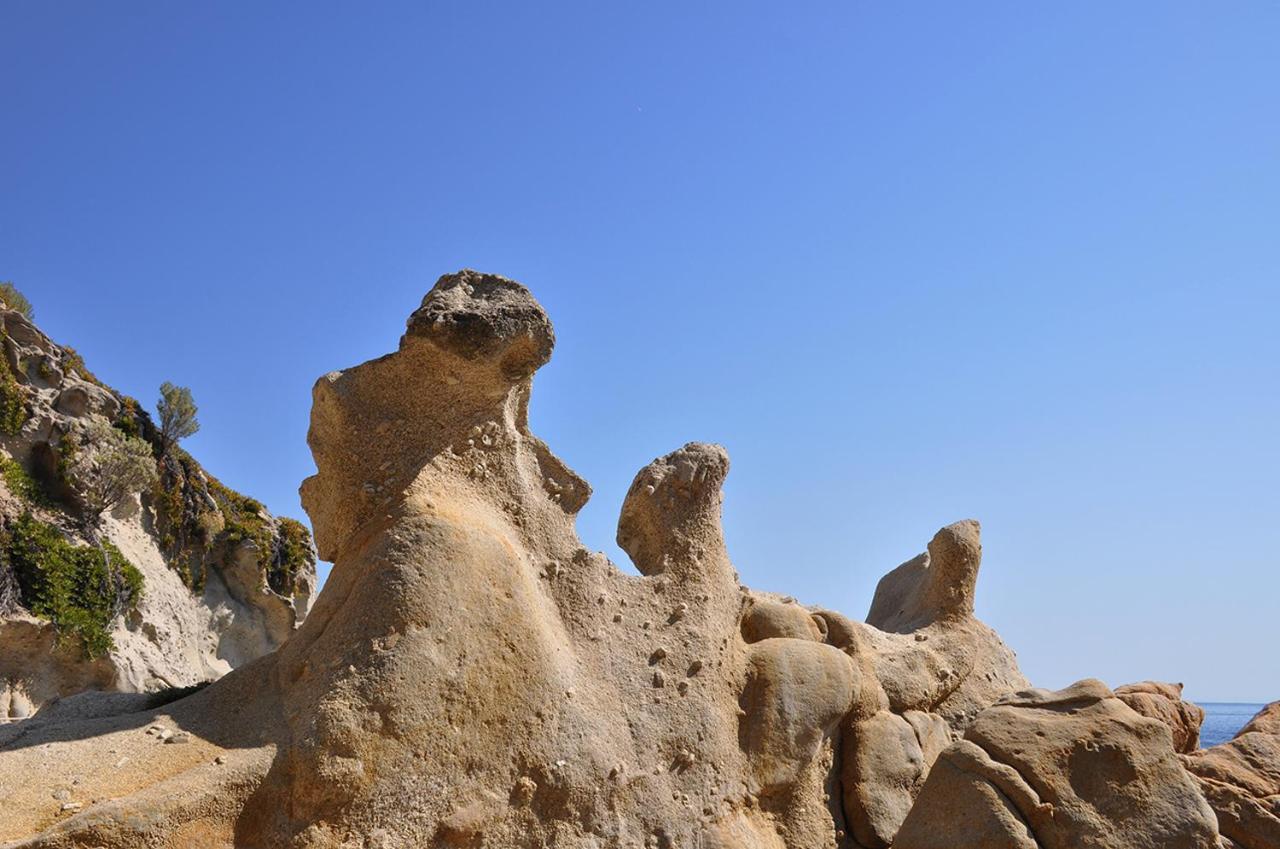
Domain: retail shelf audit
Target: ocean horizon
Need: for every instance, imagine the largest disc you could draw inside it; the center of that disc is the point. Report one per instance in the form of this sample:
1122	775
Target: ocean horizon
1222	720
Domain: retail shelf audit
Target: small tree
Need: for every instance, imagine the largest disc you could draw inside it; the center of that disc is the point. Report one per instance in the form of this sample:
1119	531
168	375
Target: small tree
177	415
108	467
15	300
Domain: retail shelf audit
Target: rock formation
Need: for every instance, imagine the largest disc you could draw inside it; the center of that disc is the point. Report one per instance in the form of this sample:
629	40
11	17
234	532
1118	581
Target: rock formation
220	581
1157	700
472	676
1241	780
1060	770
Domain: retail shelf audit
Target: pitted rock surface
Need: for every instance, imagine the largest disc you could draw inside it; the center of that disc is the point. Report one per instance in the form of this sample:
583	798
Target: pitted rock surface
472	676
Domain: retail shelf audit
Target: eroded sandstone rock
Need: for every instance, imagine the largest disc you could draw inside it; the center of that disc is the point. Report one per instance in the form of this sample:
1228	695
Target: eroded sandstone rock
937	585
1060	770
1162	701
472	676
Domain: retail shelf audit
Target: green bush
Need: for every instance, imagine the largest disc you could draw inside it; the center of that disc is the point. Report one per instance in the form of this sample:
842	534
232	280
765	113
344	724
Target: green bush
109	466
13	398
292	556
21	483
283	553
76	587
71	360
127	421
15	300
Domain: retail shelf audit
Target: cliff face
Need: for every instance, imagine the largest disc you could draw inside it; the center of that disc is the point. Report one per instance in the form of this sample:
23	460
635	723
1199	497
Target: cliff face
180	581
473	676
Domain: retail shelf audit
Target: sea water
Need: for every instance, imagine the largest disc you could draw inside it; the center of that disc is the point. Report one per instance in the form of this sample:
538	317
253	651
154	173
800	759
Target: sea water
1223	719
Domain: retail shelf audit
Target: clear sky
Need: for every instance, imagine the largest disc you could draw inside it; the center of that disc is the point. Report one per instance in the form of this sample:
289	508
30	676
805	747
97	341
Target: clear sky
908	262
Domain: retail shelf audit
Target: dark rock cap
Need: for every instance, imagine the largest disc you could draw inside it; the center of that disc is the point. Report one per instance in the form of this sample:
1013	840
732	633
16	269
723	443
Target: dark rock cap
485	316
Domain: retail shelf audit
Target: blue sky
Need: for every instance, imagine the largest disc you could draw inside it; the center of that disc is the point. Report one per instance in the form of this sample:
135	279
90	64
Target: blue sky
909	263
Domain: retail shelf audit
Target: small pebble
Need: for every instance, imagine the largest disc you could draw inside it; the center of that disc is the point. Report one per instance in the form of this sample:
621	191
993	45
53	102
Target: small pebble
659	680
180	737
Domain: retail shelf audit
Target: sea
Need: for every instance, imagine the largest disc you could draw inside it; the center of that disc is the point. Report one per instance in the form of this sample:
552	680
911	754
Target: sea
1222	720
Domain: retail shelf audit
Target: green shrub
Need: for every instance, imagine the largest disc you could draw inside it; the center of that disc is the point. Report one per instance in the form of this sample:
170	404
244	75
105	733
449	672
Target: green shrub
13	397
67	454
292	555
283	553
109	466
127	421
21	483
15	300
71	360
79	588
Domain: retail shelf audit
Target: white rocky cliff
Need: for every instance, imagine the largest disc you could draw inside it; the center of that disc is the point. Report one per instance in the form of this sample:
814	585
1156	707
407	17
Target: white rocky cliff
181	581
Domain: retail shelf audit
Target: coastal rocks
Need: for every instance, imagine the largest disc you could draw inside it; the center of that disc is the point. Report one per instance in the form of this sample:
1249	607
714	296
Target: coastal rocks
466	641
1241	780
1058	770
931	652
473	676
1161	701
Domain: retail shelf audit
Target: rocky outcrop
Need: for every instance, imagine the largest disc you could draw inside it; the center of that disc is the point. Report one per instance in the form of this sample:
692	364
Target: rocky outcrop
472	676
220	581
1241	780
1158	700
938	585
1068	769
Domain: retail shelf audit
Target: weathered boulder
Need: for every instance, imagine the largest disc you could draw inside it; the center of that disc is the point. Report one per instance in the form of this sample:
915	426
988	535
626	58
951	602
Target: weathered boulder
886	760
796	692
765	619
1069	769
1161	701
1241	780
